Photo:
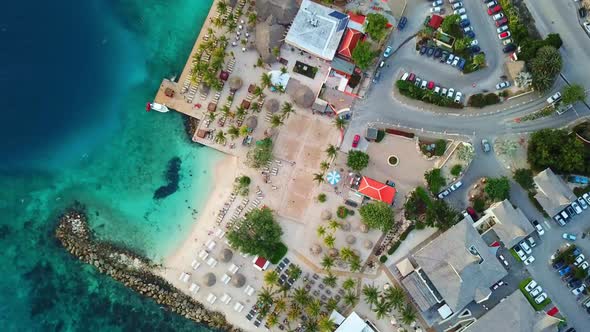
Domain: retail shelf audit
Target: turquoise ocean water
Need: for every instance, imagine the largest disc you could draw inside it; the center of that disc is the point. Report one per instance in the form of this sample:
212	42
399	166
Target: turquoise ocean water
74	127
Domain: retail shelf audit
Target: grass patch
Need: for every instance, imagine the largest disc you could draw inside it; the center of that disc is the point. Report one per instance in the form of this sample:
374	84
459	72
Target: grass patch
408	89
481	100
515	255
278	254
538	307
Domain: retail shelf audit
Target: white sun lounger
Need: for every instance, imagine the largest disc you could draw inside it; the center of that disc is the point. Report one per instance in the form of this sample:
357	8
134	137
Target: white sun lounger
195	264
225	279
249	290
211	298
194	288
238	307
211	244
211	262
203	254
225	298
184	277
233	268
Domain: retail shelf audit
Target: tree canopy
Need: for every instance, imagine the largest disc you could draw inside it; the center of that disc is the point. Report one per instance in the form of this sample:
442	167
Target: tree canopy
498	189
363	55
439	214
259	234
377	215
450	23
573	93
376	26
556	149
242	184
524	177
545	67
357	160
435	180
260	154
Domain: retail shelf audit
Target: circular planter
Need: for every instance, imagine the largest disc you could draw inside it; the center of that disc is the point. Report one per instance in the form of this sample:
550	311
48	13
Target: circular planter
392	160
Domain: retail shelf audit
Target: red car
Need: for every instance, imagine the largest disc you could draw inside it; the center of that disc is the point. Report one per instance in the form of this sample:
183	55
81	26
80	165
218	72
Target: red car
412	77
356	140
430	85
472	213
501	22
494	10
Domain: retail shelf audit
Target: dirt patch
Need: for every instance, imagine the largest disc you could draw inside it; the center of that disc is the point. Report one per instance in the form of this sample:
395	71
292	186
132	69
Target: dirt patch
512	151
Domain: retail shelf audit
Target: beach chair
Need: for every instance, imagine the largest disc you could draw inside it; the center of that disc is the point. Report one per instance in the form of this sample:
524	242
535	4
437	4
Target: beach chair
211	298
203	254
194	288
238	307
211	244
226	298
181	276
212	262
225	279
195	265
233	268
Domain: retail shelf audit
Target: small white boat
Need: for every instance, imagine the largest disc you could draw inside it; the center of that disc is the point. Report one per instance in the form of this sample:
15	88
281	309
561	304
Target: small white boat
157	107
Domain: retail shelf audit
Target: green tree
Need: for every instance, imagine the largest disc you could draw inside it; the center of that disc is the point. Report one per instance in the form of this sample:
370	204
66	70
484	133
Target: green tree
331	151
363	55
339	123
462	43
287	109
545	67
371	294
324	165
265	80
350	299
301	297
271	278
553	39
524	177
334	224
252	18
330	280
435	180
233	132
321	231
346	254
325	324
408	314
244	131
357	160
456	169
332	304
260	154
294	271
355	264
439	214
242	184
276	121
319	178
556	149
377	215
449	23
220	137
327	262
263	236
479	60
498	189
329	241
314	307
382	308
265	297
222	8
394	296
348	284
376	26
573	93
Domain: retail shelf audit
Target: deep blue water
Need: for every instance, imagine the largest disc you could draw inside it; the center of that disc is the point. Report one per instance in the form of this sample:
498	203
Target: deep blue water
75	76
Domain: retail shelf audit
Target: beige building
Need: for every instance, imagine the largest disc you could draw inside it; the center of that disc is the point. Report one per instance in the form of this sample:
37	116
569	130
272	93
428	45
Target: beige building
552	192
508	222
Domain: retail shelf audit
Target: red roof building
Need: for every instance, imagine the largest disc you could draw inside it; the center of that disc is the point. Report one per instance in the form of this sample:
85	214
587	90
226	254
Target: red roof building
376	190
435	21
260	263
349	42
356	21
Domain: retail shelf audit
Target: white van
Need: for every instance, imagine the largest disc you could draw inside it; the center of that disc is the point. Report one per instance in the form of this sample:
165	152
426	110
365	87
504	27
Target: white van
405	76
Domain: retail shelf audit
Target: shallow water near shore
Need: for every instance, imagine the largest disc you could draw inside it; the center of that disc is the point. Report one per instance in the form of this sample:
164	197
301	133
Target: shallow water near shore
75	128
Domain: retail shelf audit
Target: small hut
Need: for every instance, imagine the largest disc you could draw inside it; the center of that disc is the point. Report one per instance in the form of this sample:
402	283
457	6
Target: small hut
326	215
226	255
251	122
303	96
238	280
350	239
272	105
368	244
209	279
316	249
235	83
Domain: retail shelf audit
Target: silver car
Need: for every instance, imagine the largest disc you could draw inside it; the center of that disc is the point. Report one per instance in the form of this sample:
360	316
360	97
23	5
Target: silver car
451	93
485	145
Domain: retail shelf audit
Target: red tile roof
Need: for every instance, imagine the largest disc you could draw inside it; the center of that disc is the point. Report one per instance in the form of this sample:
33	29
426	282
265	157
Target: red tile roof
377	190
260	262
435	21
360	19
351	38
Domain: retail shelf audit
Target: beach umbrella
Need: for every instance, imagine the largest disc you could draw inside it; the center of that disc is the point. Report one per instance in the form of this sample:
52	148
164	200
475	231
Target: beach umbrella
303	96
251	122
272	105
209	279
238	280
345	226
333	252
368	244
333	177
226	255
364	228
326	215
235	83
350	239
316	249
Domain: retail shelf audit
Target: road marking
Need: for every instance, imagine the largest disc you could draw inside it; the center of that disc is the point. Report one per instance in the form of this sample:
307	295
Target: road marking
547	224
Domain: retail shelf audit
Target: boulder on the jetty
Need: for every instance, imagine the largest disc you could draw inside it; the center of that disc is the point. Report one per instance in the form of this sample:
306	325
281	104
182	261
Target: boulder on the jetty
283	11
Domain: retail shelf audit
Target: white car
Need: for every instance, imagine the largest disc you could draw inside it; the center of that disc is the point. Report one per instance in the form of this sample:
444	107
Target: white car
587	26
498	16
459	11
538	227
529	260
556	97
474	42
450	59
458	97
579	260
502	29
579	290
577	207
457	5
536	291
436	10
586	197
526	248
451	93
507	41
437	3
455	62
584	265
520	253
539	299
491	4
437	90
531	241
457	184
582	203
443	92
424	83
453	1
405	76
467	29
530	286
502	85
463	17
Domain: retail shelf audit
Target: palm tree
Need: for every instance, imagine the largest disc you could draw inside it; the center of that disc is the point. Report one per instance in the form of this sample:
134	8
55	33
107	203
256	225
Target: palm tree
222	7
217	22
318	177
211	116
272	320
294	271
329	241
265	80
310	325
332	304
252	18
240	112
223	41
331	151
330	280
348	284
408	314
271	278
233	132
382	308
244	131
287	109
220	137
350	299
265	297
346	254
225	110
324	165
371	294
334	224
339	122
355	264
301	297
314	307
283	70
280	305
327	262
292	315
321	231
325	324
258	91
231	25
276	121
259	62
394	296
255	107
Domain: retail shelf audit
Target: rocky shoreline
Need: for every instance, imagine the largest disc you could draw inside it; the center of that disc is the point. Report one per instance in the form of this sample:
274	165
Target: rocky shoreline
131	269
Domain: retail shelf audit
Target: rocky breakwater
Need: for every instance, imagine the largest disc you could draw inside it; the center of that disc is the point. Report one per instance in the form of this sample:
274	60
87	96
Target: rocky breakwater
131	269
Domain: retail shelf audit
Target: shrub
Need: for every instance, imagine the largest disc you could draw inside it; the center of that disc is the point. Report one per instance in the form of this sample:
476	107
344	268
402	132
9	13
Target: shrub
383	259
404	235
280	252
357	160
480	100
435	180
342	212
394	247
456	170
524	177
479	204
409	90
377	215
440	147
322	198
498	189
420	225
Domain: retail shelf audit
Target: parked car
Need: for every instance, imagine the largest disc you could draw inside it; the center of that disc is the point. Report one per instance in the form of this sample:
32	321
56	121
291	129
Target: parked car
587	26
405	76
509	48
584	265
430	85
529	260
444	194
507	41
555	98
578	179
438	52
474	42
579	259
570	210
485	145
412	77
498	16
579	290
451	93
418	81
472	213
437	3
558	265
457	5
461	63
423	50
531	241
504	261
443	92
539	299
520	253
444	56
450	58
501	29
504	35
377	76
491	4
401	24
455	61
502	85
475	49
463	17
538	227
458	97
558	219
429	51
494	10
356	140
423	85
536	291
530	286
464	23
435	10
437	90
470	34
502	21
576	207
586	197
459	11
565	270
387	52
457	184
568	236
582	203
526	247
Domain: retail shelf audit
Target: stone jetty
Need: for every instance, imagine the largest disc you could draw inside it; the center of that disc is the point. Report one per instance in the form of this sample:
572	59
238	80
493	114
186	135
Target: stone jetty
131	269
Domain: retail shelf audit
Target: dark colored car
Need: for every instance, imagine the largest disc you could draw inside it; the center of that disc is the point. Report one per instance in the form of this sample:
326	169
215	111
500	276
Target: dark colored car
472	213
501	22
574	283
558	265
475	49
444	56
377	76
509	48
582	11
422	50
438	52
470	34
461	64
430	51
402	23
351	203
464	23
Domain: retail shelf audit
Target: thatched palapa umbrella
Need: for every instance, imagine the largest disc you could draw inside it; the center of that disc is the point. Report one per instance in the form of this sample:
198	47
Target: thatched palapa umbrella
316	249
364	228
235	83
326	215
368	244
272	105
209	279
303	96
350	239
251	122
238	280
333	252
268	132
345	226
226	255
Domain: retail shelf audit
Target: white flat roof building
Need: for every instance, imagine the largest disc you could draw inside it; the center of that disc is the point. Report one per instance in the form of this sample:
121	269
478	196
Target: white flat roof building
317	29
354	323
